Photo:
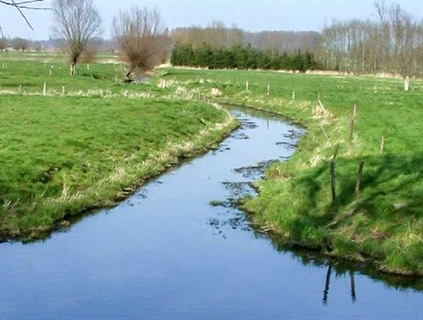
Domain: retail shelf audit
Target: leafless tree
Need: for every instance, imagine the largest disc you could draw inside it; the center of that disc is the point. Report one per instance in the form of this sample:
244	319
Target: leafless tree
37	46
76	22
218	35
404	37
381	10
20	44
142	38
393	42
3	44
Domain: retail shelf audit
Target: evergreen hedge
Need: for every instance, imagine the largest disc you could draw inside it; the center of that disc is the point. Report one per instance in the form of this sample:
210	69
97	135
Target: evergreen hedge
240	57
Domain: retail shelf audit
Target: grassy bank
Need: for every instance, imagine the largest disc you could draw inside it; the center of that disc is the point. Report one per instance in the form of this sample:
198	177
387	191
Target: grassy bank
382	222
62	155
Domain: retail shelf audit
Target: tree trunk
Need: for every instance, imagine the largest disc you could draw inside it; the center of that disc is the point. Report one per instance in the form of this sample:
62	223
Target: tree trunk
407	83
72	68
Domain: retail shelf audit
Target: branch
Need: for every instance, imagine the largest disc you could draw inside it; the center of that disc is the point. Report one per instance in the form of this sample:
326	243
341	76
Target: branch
23	4
20	5
22	14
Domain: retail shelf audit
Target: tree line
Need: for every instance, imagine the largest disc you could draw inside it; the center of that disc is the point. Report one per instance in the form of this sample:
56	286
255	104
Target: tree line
392	43
219	35
19	44
240	57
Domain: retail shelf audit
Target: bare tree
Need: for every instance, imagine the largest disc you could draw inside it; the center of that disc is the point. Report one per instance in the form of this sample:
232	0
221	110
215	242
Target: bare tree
381	10
37	46
142	39
3	44
20	44
404	31
217	35
393	43
76	22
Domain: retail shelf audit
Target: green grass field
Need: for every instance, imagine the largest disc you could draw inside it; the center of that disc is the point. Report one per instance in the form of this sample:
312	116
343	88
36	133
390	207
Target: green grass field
61	155
382	223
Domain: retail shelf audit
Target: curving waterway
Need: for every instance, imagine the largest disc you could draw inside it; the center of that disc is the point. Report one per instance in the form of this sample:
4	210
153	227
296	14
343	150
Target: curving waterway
178	249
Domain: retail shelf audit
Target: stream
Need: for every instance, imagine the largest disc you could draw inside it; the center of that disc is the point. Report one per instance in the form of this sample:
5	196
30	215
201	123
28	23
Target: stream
179	249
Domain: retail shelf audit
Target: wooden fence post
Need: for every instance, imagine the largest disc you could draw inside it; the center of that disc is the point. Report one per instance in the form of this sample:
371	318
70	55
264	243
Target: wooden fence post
45	89
336	152
351	128
332	174
332	180
293	94
246	86
359	176
351	122
268	89
382	145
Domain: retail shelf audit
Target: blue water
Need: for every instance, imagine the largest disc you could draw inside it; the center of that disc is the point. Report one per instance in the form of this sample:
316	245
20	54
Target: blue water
166	253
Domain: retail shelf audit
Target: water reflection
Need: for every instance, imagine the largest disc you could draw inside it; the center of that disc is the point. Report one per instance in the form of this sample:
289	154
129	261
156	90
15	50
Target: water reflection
327	285
341	267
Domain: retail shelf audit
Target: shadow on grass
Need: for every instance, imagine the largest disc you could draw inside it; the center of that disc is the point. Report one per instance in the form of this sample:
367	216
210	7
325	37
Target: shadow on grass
389	205
390	183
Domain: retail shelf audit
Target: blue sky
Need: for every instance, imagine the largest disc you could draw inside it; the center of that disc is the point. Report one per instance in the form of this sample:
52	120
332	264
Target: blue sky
255	15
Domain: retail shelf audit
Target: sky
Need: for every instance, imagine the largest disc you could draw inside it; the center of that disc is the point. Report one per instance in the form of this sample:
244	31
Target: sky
258	15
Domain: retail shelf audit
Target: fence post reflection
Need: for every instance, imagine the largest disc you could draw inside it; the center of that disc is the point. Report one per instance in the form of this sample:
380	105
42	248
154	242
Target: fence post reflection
352	281
327	285
326	291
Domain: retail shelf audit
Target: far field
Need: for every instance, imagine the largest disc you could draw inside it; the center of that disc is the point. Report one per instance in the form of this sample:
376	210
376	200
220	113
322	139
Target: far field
90	127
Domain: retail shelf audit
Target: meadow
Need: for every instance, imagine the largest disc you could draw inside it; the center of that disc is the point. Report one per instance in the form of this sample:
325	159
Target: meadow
62	154
381	222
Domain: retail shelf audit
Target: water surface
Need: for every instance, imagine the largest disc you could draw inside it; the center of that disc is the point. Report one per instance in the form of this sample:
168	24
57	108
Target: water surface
166	253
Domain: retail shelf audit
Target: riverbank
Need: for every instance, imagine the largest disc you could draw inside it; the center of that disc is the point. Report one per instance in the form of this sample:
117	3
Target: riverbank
360	120
63	156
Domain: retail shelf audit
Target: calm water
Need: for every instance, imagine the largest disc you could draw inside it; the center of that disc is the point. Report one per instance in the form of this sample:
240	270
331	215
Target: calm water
166	253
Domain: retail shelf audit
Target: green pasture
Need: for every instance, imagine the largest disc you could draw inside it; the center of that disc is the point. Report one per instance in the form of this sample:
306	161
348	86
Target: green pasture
61	155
